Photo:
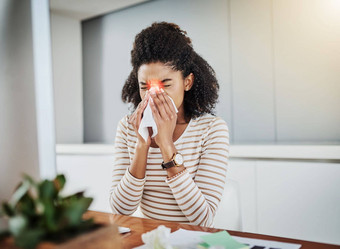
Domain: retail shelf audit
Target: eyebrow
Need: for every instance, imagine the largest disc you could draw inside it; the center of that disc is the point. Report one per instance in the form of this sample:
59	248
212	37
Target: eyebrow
163	81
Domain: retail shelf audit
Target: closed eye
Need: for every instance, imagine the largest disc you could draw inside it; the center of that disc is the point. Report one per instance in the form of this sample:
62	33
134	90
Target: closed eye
143	85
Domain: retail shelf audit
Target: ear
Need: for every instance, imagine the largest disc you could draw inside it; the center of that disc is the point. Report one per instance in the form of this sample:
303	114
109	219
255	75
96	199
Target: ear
189	81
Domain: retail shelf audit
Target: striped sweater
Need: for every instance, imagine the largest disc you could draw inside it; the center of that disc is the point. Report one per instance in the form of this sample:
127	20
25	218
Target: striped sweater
193	195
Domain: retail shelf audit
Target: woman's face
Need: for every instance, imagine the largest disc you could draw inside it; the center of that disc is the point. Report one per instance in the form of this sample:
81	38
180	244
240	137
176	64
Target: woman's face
171	80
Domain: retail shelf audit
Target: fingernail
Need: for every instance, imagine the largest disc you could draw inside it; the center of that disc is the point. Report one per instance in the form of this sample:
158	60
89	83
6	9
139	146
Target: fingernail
162	90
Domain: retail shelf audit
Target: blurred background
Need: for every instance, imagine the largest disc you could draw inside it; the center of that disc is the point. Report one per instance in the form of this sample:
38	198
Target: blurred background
277	63
63	64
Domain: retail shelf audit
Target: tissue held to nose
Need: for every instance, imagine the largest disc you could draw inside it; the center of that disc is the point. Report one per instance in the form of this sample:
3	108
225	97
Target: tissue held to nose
148	119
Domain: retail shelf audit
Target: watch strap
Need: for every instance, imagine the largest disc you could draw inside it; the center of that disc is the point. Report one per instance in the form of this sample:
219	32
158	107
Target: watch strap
173	162
168	164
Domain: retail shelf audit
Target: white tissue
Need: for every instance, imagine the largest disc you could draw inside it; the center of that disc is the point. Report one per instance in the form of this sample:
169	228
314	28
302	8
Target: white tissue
148	121
158	238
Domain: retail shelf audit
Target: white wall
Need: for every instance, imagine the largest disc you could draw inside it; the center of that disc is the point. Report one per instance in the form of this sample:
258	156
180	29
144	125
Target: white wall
277	63
252	66
67	78
18	134
44	87
306	38
20	108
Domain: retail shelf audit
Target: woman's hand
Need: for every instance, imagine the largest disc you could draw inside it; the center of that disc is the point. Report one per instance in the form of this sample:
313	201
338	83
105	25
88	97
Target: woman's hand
165	116
135	120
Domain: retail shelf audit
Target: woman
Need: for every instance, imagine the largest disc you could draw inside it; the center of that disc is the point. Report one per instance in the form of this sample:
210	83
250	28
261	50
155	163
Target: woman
179	174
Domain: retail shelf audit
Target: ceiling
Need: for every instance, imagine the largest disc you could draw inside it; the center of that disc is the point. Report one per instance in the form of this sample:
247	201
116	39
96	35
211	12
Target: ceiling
85	9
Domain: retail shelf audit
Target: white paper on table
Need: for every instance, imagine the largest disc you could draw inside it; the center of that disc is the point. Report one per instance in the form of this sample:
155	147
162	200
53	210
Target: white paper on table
183	238
266	243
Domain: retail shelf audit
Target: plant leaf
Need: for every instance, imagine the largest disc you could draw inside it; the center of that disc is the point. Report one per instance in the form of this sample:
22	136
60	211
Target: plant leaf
17	224
47	190
26	206
59	182
7	210
29	238
19	193
29	179
74	210
49	215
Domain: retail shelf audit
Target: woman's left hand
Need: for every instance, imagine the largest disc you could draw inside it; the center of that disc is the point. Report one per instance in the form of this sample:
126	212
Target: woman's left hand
165	117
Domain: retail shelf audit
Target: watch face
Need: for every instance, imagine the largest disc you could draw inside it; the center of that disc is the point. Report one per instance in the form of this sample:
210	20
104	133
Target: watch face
179	159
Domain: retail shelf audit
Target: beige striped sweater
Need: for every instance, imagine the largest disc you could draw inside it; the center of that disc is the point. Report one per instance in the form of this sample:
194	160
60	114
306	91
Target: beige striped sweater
190	197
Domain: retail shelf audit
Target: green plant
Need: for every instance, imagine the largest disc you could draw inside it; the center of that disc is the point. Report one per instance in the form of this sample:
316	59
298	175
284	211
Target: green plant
37	211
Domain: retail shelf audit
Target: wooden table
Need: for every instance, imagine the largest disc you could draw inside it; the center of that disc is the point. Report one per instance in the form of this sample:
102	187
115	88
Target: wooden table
139	226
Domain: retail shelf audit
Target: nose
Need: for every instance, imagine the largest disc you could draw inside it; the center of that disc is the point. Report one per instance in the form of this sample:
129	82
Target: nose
155	84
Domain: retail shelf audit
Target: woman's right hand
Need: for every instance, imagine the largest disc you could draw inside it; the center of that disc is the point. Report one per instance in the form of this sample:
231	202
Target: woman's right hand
136	118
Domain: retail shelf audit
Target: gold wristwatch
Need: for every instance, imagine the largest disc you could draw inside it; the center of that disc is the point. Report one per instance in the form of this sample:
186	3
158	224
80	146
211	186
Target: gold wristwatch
176	161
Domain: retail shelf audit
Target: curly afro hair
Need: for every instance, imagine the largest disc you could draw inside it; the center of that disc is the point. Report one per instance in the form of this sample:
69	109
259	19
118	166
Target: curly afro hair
167	43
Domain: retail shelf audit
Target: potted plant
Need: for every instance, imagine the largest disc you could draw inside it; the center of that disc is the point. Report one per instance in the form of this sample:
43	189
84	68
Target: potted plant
38	212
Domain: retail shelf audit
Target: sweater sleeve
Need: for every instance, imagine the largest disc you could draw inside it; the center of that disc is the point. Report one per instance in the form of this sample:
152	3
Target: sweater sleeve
198	198
126	191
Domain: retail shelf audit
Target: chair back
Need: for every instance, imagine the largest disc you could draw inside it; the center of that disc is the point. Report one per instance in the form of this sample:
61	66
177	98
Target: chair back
228	215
